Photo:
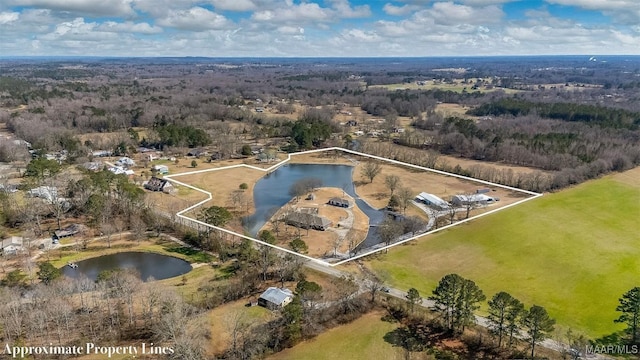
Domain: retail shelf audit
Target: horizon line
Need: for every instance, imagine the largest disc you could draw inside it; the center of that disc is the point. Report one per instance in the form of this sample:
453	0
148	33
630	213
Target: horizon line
307	57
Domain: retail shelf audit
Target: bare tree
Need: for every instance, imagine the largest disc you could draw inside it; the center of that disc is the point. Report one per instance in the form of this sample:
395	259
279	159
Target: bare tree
392	182
237	325
389	230
107	230
371	169
405	195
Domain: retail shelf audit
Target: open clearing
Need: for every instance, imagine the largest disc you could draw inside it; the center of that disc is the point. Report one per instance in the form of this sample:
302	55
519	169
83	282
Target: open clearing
361	339
457	85
574	252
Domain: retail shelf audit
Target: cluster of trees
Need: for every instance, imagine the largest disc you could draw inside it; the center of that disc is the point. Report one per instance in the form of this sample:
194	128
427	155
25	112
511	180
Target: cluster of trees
312	129
117	307
457	298
180	135
602	116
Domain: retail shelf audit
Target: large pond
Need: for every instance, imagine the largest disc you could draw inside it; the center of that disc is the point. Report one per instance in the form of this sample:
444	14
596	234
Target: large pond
272	192
147	264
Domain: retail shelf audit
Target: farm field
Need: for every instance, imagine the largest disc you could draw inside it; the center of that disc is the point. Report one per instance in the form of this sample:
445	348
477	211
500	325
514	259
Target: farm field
361	339
574	252
457	86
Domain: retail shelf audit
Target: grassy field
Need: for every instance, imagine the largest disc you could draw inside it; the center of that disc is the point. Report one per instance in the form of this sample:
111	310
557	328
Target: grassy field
574	252
361	339
456	86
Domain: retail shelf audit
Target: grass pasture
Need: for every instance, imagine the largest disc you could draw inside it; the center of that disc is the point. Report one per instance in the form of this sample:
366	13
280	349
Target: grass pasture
457	85
361	339
574	252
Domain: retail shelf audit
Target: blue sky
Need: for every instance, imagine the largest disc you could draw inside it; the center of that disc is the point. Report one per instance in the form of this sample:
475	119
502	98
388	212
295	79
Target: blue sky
318	27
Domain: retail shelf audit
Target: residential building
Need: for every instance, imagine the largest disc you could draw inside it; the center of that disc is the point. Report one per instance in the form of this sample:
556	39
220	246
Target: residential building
275	298
66	232
339	202
12	246
158	184
307	221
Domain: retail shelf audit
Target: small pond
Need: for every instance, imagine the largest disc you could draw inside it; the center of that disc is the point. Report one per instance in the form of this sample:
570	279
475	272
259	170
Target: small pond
147	264
272	192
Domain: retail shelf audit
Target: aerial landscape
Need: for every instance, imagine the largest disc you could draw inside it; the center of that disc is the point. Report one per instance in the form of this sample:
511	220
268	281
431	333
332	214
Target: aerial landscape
267	179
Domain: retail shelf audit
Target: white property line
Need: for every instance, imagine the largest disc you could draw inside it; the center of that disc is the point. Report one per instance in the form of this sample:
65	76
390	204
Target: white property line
322	262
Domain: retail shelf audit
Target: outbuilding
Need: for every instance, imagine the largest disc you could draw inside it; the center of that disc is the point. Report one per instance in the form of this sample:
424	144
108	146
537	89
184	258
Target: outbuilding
161	169
432	201
473	199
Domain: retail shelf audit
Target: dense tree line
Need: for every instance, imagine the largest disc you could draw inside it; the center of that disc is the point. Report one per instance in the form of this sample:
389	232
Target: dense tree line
602	116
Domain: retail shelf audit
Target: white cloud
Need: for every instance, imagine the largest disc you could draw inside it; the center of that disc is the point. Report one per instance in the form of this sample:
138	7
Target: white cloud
8	17
360	35
234	5
292	12
291	30
623	10
129	27
74	33
450	13
85	7
344	10
194	19
393	10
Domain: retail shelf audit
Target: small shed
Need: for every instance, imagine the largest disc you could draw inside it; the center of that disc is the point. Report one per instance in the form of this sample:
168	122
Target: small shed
161	169
339	202
275	298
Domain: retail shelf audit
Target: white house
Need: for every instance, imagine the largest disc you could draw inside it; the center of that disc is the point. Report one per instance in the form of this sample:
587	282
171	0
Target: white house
432	200
48	193
275	298
126	162
12	245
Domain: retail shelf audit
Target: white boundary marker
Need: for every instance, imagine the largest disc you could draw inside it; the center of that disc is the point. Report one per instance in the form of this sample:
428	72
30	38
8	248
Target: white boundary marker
322	262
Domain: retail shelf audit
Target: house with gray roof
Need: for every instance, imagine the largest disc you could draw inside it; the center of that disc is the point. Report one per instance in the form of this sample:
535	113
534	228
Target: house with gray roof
275	298
307	221
339	202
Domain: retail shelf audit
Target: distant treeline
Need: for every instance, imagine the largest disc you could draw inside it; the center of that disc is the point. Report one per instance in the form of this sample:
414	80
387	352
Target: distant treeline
602	116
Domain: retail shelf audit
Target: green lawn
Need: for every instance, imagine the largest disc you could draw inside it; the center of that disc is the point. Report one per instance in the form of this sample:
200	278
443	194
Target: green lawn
361	339
574	252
